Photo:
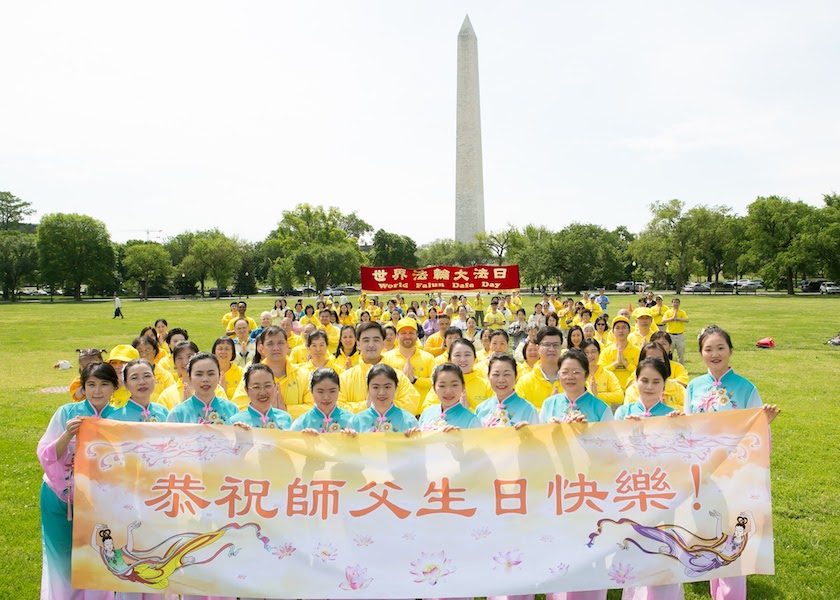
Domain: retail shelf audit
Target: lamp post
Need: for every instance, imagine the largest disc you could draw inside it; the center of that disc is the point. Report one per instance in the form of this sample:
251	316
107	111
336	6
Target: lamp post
247	295
184	285
634	277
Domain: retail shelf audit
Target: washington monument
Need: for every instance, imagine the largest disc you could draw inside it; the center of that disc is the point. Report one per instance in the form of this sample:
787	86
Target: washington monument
469	177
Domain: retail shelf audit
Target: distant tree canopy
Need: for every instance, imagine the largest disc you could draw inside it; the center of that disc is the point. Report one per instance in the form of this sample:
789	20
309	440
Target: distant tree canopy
778	239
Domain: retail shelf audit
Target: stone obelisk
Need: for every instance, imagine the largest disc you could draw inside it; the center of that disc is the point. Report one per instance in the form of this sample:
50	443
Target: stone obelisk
469	176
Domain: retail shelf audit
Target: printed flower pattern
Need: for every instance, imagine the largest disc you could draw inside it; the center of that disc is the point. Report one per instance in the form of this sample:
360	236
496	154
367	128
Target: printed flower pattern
355	578
508	561
325	552
283	551
716	399
559	570
621	574
363	540
480	534
431	568
498	418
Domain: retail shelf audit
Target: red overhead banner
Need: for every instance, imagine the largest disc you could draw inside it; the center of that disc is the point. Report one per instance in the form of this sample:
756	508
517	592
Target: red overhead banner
467	279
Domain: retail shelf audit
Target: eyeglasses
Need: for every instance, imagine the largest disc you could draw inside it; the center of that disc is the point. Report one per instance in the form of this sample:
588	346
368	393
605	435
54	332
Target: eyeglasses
551	345
574	373
261	388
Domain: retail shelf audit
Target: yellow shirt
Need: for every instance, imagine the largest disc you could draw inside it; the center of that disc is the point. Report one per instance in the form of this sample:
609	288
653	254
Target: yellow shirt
678	373
674	394
657	313
609	356
353	393
306	320
638	340
174	395
478	390
478	303
226	319
594	308
349	319
167	363
341	360
434	344
675	327
535	388
333	336
294	387
606	388
252	325
294	340
494	321
308	367
299	355
230	380
423	364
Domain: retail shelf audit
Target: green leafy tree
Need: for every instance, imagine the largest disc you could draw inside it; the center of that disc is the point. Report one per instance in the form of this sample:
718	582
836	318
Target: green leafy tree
586	256
245	281
281	275
450	252
775	227
18	259
497	244
391	249
821	236
12	211
666	243
712	230
147	262
214	255
74	250
532	249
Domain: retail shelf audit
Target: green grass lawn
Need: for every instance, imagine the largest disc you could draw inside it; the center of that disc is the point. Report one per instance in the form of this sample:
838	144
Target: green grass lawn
801	375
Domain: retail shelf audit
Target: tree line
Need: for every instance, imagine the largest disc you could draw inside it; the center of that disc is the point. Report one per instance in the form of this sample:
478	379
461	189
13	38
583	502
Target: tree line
778	239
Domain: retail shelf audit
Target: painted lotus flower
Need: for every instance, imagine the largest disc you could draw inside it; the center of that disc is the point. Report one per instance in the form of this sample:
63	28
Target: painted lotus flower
508	561
363	540
560	569
408	536
325	552
480	534
546	539
283	551
621	574
431	568
355	577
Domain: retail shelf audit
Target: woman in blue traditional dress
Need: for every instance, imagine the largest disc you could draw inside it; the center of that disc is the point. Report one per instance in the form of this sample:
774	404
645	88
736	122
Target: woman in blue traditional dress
450	414
261	389
325	416
718	390
203	406
56	451
382	415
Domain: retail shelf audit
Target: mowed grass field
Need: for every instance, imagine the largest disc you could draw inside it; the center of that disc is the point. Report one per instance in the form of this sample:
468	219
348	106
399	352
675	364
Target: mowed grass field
801	375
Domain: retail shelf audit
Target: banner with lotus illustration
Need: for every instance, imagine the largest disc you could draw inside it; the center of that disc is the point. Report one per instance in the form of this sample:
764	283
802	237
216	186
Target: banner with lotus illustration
205	509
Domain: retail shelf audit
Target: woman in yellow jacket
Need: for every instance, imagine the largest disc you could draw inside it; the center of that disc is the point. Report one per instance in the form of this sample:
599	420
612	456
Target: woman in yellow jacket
678	372
230	372
347	355
602	383
319	356
346	316
146	347
309	316
674	394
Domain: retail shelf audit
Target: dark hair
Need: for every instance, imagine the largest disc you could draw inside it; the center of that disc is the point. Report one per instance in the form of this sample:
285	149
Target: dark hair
306	309
340	348
602	319
243	303
90	353
324	310
365	325
318	333
270	330
100	370
575	354
137	362
176	331
499	333
503	358
569	336
453	331
144	339
587	343
149	331
382	369
662	367
655	347
251	368
662	335
586	310
234	303
521	310
161	321
447	367
549	331
323	374
183	346
527	344
222	341
198	357
552	316
461	342
444	315
714	330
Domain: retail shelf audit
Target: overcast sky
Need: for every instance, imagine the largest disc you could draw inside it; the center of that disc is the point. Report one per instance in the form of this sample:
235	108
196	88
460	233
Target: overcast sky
174	116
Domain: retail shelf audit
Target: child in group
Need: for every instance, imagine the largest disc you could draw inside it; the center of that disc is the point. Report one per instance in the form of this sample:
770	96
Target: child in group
325	416
261	388
449	414
86	357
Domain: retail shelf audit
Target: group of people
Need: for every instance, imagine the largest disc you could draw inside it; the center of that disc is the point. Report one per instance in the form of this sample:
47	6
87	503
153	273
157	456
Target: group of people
355	372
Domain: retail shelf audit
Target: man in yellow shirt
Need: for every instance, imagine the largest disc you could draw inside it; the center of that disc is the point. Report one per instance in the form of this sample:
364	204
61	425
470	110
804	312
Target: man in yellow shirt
620	357
658	310
416	364
494	319
435	343
353	393
333	332
543	381
674	320
241	307
293	339
644	320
